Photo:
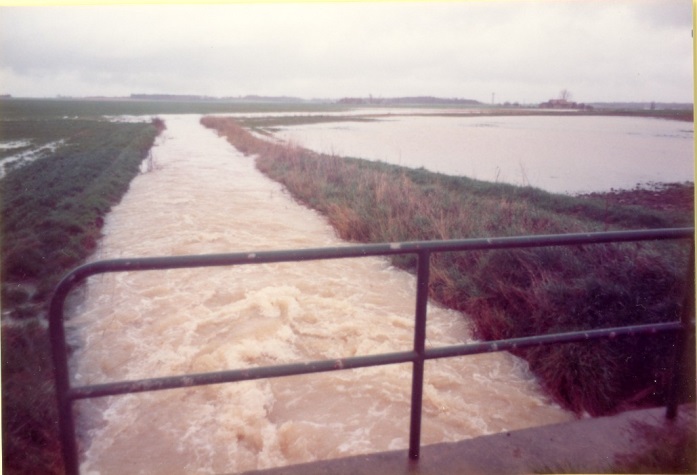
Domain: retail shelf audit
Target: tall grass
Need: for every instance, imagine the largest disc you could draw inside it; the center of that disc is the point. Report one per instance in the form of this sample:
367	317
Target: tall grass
52	213
509	293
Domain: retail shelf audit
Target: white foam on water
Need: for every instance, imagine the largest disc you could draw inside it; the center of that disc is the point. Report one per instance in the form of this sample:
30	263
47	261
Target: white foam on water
205	197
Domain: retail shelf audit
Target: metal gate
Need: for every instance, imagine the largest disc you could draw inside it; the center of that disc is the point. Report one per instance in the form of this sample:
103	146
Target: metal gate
66	394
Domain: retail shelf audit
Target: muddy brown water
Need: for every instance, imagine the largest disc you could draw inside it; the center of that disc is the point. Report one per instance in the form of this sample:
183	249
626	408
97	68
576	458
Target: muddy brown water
202	196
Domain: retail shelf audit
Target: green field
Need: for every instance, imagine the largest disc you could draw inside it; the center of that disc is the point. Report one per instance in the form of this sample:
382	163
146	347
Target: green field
90	108
52	211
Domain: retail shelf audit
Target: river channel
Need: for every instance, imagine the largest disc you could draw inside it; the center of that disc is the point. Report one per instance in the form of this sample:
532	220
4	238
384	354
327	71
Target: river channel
203	196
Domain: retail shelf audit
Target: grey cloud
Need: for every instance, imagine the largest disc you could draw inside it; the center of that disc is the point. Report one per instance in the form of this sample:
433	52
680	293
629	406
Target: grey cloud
464	49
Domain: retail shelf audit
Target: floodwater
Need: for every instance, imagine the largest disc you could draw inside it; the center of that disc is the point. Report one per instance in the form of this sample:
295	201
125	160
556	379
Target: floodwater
202	196
562	154
26	156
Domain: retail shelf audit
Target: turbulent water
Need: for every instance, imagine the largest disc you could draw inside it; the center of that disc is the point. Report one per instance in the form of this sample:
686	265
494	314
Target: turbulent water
202	196
558	154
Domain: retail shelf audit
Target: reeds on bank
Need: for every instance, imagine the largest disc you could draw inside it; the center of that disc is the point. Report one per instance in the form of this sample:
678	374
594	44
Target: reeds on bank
510	293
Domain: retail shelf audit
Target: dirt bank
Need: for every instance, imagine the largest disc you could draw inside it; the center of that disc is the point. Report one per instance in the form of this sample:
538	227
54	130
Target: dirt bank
658	196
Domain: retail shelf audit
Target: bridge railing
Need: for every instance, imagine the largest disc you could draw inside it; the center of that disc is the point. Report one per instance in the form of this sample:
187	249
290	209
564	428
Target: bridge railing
67	394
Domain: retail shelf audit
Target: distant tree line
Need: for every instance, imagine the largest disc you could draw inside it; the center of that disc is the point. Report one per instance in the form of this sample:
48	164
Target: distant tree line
406	100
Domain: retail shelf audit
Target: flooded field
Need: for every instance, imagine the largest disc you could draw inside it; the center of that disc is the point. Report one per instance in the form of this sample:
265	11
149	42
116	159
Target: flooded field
25	156
560	154
202	196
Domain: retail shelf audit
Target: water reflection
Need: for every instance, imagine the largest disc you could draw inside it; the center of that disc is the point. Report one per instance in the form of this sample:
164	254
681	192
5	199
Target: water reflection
559	154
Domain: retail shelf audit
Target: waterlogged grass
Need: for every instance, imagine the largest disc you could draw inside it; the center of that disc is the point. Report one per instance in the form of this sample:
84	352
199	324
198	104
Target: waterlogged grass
52	211
510	293
51	208
266	125
33	134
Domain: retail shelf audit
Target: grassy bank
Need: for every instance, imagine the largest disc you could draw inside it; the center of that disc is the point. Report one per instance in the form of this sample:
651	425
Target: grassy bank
510	293
52	213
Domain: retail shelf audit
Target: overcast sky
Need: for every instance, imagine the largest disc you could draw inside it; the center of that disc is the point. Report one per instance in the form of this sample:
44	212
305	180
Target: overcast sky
523	51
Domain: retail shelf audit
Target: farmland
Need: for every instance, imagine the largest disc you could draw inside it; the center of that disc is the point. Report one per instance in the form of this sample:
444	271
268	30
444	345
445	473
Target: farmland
52	211
54	202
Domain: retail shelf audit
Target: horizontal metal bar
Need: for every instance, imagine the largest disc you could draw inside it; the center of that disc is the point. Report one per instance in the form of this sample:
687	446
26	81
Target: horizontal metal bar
553	338
240	258
229	376
66	395
236	375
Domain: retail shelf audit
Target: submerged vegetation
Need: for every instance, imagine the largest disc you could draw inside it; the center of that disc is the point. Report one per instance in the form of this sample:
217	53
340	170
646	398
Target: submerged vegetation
511	293
52	213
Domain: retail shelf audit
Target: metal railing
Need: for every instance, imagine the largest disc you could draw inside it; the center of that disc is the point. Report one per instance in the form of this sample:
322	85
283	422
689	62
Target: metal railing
67	395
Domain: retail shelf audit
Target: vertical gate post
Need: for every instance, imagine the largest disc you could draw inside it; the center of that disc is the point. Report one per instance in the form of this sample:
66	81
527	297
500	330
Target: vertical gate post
417	380
684	342
66	423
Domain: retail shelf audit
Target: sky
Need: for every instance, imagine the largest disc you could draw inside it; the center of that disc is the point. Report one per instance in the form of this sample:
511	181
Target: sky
516	50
